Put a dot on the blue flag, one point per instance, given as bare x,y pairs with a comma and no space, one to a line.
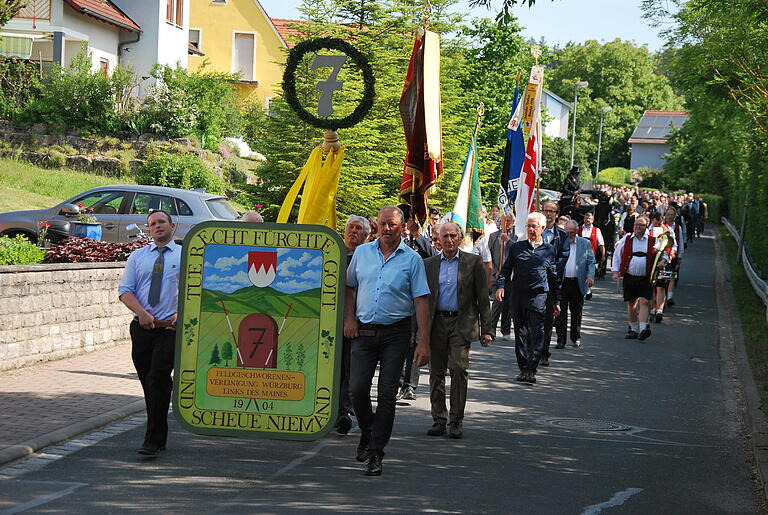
514,157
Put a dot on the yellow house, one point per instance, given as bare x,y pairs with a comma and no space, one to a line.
237,36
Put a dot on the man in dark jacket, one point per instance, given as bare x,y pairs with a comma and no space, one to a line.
535,278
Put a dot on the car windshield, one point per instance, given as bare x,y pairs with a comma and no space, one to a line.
221,209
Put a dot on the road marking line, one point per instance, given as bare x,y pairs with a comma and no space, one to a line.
39,501
618,499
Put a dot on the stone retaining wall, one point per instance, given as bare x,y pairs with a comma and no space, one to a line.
60,310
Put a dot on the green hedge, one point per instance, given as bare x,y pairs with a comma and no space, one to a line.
19,251
757,214
182,170
716,206
616,176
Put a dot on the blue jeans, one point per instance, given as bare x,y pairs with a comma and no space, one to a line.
387,348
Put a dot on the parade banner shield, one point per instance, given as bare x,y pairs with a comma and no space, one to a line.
259,330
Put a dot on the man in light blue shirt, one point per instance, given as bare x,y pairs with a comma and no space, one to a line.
385,283
149,288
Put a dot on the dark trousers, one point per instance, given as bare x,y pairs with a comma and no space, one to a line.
528,313
152,353
548,325
449,351
503,310
345,400
411,374
386,348
571,299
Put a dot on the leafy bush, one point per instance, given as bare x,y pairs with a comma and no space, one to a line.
207,103
19,83
56,159
652,178
78,97
86,250
182,170
616,176
170,112
19,251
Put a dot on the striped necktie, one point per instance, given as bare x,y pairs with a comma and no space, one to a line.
157,277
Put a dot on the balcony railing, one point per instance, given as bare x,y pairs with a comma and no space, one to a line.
35,10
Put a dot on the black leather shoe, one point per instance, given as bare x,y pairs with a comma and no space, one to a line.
521,377
659,317
343,424
530,378
645,333
544,362
151,449
560,345
437,429
670,302
631,335
456,431
362,447
374,466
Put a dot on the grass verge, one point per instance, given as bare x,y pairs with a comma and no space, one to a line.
25,186
752,316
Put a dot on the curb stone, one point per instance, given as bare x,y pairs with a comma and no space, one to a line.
29,447
732,339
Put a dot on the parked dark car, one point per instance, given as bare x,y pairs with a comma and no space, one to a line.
117,207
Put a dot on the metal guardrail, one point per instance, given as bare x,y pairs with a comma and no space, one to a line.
758,284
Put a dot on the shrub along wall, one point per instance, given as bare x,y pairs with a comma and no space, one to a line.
59,310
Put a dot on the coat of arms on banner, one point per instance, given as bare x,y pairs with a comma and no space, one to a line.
259,322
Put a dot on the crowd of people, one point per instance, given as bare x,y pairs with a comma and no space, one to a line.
499,287
415,297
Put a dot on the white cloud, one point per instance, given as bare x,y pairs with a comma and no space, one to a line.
226,284
293,286
226,263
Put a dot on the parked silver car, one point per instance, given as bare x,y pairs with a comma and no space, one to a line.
119,206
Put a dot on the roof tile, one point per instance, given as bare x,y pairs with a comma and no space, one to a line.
106,11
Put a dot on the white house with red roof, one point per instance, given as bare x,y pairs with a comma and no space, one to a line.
132,33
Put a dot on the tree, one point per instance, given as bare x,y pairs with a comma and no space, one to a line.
8,9
227,353
215,358
375,147
717,58
620,75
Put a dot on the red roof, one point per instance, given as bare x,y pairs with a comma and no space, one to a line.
289,34
105,11
654,112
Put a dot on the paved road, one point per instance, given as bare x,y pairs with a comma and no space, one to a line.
615,427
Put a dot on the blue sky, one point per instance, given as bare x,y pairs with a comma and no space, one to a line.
558,21
226,268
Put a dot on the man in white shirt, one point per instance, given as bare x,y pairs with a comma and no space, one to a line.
579,276
633,260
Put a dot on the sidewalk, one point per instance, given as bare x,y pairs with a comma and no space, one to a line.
57,400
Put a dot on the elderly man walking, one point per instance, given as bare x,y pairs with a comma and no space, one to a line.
533,263
460,307
385,283
579,277
355,233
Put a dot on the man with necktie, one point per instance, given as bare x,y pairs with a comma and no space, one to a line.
149,288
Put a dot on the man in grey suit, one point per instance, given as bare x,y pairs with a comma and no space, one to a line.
459,304
579,276
498,245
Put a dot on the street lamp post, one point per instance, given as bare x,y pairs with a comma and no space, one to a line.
603,110
581,84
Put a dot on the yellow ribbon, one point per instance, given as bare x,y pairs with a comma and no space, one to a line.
321,182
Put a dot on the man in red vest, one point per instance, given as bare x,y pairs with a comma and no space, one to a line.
633,260
595,236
